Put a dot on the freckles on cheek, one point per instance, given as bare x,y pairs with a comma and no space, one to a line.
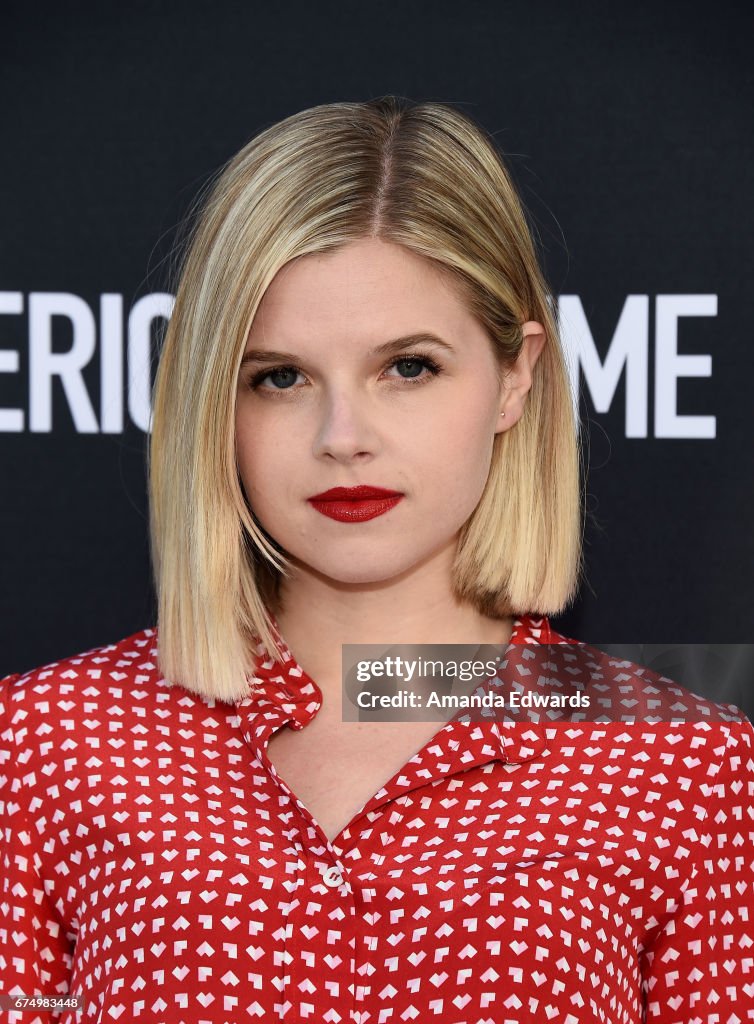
455,432
462,457
470,411
257,447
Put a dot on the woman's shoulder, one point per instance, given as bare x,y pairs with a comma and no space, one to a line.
106,680
627,691
666,729
134,653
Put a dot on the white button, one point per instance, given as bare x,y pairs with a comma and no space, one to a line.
332,877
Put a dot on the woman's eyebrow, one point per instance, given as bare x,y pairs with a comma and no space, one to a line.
256,355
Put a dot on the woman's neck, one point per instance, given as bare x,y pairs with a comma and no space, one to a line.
317,617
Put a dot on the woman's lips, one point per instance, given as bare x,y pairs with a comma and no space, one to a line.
355,504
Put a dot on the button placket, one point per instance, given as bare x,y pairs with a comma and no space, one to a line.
332,876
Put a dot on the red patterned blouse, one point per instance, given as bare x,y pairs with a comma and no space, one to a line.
156,868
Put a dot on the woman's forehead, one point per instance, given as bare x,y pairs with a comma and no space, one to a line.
369,286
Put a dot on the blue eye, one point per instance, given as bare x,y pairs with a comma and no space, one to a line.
415,364
283,377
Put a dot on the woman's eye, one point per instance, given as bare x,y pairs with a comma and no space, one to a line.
411,366
282,378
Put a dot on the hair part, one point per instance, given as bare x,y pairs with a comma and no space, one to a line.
423,176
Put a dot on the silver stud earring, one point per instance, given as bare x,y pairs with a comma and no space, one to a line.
502,414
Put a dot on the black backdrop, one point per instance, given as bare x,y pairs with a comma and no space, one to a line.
628,131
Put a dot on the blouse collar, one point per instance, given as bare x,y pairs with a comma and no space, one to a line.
282,688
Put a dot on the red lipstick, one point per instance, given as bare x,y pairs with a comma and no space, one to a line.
355,504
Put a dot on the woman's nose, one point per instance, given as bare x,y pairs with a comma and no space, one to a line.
345,426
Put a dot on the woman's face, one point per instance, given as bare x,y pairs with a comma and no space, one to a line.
365,368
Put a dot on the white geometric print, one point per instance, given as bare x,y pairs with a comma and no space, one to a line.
154,862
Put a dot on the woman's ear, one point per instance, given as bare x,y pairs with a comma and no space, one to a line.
518,380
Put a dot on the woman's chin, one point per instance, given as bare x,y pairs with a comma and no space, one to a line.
359,573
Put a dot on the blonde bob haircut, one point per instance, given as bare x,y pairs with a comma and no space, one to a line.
423,176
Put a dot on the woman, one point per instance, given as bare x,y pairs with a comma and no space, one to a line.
363,434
